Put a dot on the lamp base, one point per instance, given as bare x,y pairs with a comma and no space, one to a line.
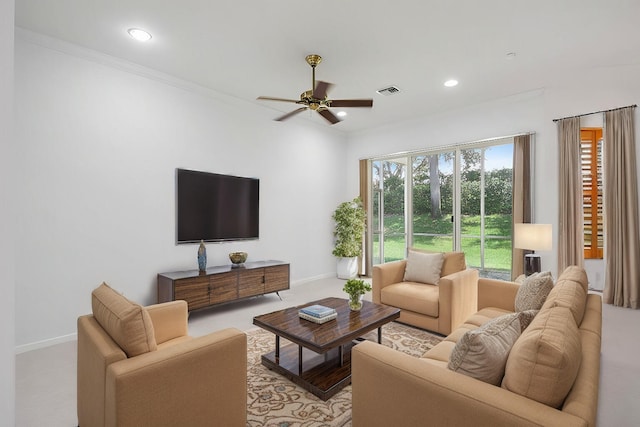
531,264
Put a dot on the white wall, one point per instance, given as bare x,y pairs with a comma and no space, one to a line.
98,148
7,283
592,90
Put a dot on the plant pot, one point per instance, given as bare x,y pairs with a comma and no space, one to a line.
355,303
347,268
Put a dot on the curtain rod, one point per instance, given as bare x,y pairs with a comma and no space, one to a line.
595,112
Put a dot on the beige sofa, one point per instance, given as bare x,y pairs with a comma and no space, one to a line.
438,307
392,388
138,367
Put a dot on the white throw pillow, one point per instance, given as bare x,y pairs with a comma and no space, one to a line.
424,268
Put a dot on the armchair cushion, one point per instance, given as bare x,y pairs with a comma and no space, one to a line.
127,323
417,297
423,267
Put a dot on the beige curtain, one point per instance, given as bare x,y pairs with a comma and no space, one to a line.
521,196
570,221
622,248
365,262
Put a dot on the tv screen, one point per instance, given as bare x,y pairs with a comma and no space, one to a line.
214,207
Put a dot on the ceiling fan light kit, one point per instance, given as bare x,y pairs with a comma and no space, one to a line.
317,99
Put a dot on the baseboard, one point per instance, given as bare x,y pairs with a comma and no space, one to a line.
314,278
45,343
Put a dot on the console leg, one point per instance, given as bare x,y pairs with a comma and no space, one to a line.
278,293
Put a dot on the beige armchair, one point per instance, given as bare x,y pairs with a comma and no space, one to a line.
440,307
138,367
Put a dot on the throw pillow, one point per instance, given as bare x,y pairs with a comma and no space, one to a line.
533,291
482,353
424,268
526,317
127,323
453,261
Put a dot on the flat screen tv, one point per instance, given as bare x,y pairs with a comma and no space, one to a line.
216,208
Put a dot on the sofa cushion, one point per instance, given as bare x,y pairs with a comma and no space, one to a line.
453,261
482,353
127,323
576,274
571,292
533,291
417,297
544,361
423,267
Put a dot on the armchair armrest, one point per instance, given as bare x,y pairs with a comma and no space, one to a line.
497,293
170,320
200,382
386,274
388,386
458,299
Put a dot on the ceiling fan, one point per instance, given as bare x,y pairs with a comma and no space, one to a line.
316,98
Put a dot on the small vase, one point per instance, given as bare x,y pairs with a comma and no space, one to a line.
355,303
202,257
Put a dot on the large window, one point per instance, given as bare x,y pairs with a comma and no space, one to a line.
591,164
455,199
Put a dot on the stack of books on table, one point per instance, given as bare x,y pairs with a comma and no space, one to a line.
317,313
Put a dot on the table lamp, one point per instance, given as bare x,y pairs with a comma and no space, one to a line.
533,237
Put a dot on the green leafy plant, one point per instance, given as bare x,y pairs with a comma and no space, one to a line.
349,220
355,288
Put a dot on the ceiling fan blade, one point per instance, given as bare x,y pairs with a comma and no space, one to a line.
269,98
328,115
290,114
321,89
352,103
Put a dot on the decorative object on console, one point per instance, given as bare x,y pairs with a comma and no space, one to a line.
202,257
356,288
238,258
534,237
349,220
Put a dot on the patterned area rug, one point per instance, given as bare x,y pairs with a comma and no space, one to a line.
275,401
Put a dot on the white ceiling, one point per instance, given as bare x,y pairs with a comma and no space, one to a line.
247,48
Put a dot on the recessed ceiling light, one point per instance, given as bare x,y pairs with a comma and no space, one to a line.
451,83
138,34
341,113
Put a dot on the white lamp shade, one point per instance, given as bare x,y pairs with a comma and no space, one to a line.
534,237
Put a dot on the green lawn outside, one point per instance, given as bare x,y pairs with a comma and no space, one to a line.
497,251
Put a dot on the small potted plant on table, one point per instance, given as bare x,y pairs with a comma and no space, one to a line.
356,288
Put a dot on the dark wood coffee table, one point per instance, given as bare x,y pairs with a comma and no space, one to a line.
320,358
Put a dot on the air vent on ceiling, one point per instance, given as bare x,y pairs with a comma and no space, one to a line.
388,90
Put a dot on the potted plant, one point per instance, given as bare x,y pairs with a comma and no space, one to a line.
356,288
349,220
